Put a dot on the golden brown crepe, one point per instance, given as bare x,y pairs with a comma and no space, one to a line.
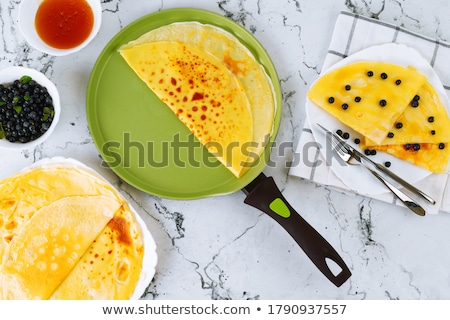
237,58
433,157
396,109
26,192
425,120
203,94
110,264
50,244
367,96
107,259
421,134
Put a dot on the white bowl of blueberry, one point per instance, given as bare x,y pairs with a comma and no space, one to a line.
29,108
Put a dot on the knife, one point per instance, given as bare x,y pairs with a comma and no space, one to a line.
382,169
263,194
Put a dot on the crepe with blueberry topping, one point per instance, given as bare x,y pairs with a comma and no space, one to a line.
367,96
421,134
433,157
397,110
425,120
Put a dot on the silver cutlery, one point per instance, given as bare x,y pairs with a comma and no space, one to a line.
353,157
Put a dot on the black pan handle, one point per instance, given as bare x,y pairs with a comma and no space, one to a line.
267,197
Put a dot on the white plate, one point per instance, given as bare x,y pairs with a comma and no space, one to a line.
150,257
357,178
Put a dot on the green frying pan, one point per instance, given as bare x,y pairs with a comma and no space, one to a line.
153,151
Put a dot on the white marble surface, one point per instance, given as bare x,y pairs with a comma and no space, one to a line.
220,248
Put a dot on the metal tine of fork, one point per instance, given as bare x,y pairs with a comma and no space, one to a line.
337,145
346,155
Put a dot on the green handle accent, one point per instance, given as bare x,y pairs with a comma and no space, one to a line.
267,197
279,207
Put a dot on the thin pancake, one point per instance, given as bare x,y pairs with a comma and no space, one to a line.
24,193
202,93
430,156
110,268
238,59
117,252
48,247
367,96
425,120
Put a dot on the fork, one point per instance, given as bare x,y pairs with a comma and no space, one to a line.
349,158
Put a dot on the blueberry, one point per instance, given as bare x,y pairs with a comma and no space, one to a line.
33,115
26,110
45,126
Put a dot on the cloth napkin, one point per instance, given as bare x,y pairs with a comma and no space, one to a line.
353,33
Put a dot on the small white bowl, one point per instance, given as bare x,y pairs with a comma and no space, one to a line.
27,14
7,76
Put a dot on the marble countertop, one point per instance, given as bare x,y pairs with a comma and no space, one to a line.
219,247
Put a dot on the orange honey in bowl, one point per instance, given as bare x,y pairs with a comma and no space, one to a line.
64,24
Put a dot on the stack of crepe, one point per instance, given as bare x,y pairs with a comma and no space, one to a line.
213,84
65,233
397,109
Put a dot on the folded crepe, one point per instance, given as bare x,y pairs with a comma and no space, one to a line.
48,247
367,96
24,193
65,233
395,108
111,265
421,134
424,120
228,51
203,94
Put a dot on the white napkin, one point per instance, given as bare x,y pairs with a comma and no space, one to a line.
353,33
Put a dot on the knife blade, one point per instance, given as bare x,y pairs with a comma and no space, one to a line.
380,168
349,157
